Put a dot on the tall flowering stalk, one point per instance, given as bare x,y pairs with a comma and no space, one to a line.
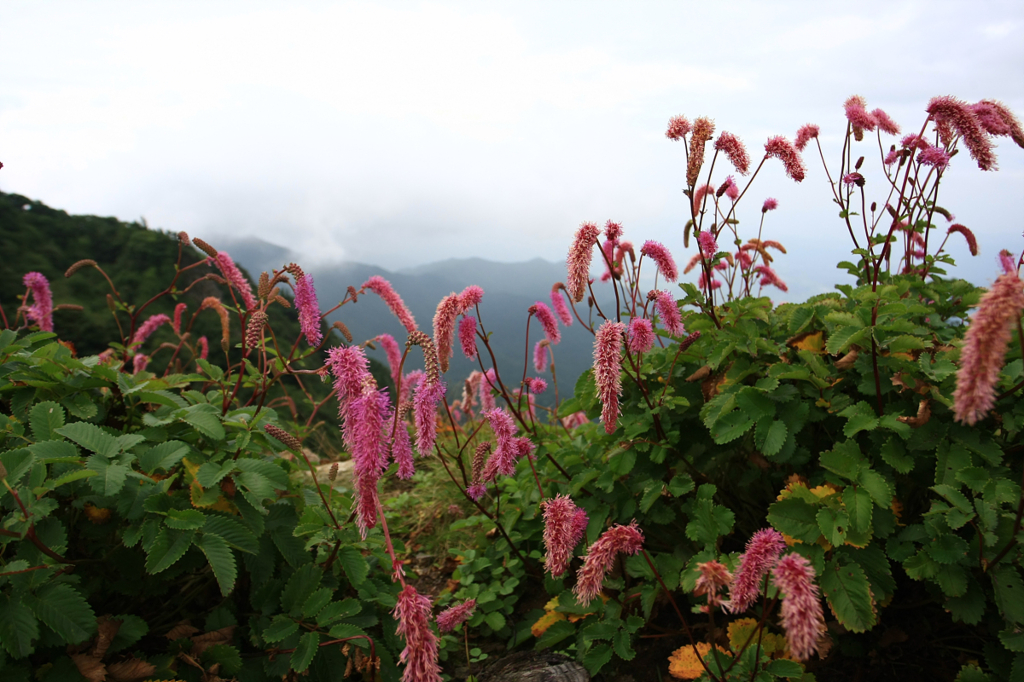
564,525
467,336
559,305
413,612
599,559
41,310
661,256
383,288
763,550
578,262
452,618
444,328
668,311
547,320
235,278
308,306
179,310
147,328
393,354
607,370
985,348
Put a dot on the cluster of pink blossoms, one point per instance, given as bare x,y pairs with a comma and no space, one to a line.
41,310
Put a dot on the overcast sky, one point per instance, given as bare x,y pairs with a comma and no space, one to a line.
403,133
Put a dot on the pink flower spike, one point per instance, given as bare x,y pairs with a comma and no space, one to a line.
713,577
139,363
476,491
985,346
420,653
235,278
708,245
608,370
734,149
147,328
540,355
805,134
393,352
351,370
763,550
467,336
802,616
488,382
951,111
452,618
41,310
661,256
769,205
612,231
401,450
204,347
934,156
503,459
678,126
309,309
409,384
671,320
858,116
558,303
382,288
364,433
698,198
564,524
1007,261
179,310
780,148
885,124
768,277
537,385
641,335
444,328
470,297
428,395
547,320
972,242
1010,125
578,262
599,559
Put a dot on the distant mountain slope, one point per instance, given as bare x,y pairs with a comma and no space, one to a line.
509,290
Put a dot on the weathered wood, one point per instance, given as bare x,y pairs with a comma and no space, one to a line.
534,666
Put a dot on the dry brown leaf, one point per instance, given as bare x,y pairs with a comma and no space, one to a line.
90,668
107,630
924,413
132,670
700,375
182,629
846,362
201,643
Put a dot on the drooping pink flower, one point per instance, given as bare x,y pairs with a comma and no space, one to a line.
147,328
488,382
235,278
382,288
420,653
578,262
575,419
424,407
708,245
452,618
536,385
661,256
204,347
540,355
626,539
668,311
858,116
476,491
995,109
179,310
41,310
914,141
734,149
139,362
703,129
364,434
985,347
641,335
1007,261
713,577
409,384
780,148
467,336
503,459
934,156
853,179
953,112
393,353
309,308
612,231
770,278
444,328
564,524
350,369
885,123
972,242
891,157
763,550
802,616
470,297
401,450
698,198
547,320
806,133
769,205
608,370
678,127
692,263
559,305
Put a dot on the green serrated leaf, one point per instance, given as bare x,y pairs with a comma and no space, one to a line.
222,561
300,587
44,419
947,548
859,508
64,611
185,519
954,497
848,593
109,478
53,451
205,419
344,630
167,548
731,426
833,525
839,340
354,565
774,438
877,486
783,667
91,437
224,655
316,602
844,459
860,417
280,628
795,518
304,652
596,658
163,456
895,455
337,610
1009,592
233,531
18,626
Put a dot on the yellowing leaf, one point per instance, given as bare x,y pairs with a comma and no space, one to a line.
811,341
684,663
546,621
823,491
739,632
